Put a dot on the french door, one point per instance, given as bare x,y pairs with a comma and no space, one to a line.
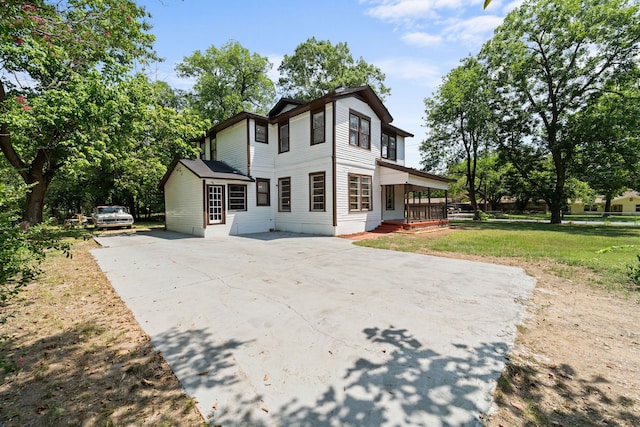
215,204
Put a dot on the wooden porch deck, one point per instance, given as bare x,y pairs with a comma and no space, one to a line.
412,225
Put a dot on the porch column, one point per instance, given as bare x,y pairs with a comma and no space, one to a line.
446,203
406,205
429,203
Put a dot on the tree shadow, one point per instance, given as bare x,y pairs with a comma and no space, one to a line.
585,229
590,401
408,384
78,377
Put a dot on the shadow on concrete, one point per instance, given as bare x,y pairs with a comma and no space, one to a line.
77,377
413,386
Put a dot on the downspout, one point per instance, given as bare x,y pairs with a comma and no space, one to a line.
333,164
249,148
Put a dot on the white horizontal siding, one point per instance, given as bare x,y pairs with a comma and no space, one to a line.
184,203
231,146
356,160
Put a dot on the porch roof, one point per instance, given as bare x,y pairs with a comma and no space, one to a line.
392,174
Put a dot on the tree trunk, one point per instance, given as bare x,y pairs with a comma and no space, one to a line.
607,205
35,202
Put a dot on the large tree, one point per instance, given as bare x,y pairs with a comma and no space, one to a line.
317,67
459,121
550,59
147,133
58,62
608,134
229,79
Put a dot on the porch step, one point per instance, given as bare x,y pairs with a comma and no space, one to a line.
392,227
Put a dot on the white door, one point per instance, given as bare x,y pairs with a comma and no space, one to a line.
215,203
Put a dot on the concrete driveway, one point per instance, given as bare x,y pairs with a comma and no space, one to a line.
280,329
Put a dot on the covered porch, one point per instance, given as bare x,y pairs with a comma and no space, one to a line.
418,207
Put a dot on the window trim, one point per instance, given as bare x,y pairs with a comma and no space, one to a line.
257,123
280,195
324,126
258,192
360,117
280,126
244,200
324,192
389,152
360,192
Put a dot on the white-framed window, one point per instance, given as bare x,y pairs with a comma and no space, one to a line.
215,204
389,197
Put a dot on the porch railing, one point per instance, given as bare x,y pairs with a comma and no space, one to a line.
426,212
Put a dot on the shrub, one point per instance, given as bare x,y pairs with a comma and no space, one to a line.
633,272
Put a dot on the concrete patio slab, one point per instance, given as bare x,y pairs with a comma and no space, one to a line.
279,329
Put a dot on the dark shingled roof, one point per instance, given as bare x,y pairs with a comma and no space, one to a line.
212,169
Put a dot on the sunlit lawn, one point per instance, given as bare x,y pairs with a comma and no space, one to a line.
606,250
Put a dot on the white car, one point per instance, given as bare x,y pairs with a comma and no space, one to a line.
112,216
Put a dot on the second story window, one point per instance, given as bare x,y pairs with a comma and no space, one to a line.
317,127
388,147
359,130
283,137
262,134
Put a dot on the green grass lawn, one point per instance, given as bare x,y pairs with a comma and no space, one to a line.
591,218
606,250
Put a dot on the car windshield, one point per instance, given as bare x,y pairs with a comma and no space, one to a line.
111,209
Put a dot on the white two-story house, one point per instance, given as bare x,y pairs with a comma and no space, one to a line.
331,166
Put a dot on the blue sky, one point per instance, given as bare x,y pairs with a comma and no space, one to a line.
414,42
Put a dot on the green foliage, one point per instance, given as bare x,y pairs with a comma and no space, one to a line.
633,272
229,80
71,54
549,60
22,248
318,67
459,121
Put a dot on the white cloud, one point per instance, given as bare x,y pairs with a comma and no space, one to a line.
414,71
473,30
512,5
422,39
409,11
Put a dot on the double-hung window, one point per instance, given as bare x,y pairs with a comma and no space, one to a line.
263,193
317,126
284,194
283,137
359,130
262,133
388,147
360,193
317,192
237,197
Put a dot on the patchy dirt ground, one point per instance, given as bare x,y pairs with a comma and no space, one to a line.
83,359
